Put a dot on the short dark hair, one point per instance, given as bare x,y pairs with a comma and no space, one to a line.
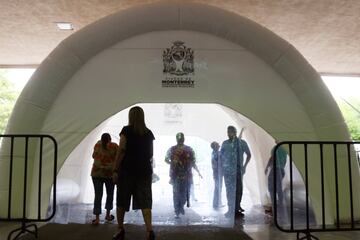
105,139
213,144
231,128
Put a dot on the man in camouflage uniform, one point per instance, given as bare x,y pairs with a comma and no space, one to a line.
181,159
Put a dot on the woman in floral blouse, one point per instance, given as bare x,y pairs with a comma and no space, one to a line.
104,158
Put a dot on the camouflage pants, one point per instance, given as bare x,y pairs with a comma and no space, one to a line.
180,192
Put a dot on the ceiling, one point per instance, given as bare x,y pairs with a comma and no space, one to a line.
326,32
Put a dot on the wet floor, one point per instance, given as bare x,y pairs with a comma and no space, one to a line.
193,225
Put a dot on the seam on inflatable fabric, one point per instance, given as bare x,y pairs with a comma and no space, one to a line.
282,54
64,132
74,53
33,104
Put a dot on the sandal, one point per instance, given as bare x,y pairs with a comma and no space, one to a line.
119,235
95,222
110,218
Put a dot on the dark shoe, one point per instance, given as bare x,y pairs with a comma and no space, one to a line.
110,218
269,212
151,235
239,214
241,209
120,235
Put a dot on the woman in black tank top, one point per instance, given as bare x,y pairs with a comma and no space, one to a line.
133,171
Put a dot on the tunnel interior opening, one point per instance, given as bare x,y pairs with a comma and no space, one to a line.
201,124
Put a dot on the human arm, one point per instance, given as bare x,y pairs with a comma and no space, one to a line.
193,160
197,170
168,156
248,155
96,151
119,157
270,162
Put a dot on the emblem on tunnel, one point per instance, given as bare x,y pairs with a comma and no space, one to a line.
178,59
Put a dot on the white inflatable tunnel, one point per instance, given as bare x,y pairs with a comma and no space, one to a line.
117,62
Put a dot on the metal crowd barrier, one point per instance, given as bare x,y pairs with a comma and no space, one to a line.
328,155
22,159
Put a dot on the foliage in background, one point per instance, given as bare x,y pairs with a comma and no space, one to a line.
8,96
350,109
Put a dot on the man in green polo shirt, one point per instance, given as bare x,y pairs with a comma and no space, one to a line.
281,157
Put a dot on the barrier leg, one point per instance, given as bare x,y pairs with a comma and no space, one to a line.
22,230
307,236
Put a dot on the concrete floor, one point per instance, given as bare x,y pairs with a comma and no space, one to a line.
201,223
72,222
255,225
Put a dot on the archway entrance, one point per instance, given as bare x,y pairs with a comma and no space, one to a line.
201,124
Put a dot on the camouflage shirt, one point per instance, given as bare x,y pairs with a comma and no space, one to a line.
181,159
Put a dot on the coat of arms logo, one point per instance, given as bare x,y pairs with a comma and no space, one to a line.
178,60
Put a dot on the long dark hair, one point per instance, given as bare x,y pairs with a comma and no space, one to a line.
137,120
105,139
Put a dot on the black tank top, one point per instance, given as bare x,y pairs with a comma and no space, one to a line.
138,153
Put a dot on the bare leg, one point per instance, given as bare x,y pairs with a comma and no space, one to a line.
108,217
120,213
147,218
148,222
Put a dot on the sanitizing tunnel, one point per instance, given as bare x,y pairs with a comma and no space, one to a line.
259,80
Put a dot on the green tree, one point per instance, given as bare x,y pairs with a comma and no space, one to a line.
350,109
8,96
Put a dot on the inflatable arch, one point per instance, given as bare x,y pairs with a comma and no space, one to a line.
118,61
